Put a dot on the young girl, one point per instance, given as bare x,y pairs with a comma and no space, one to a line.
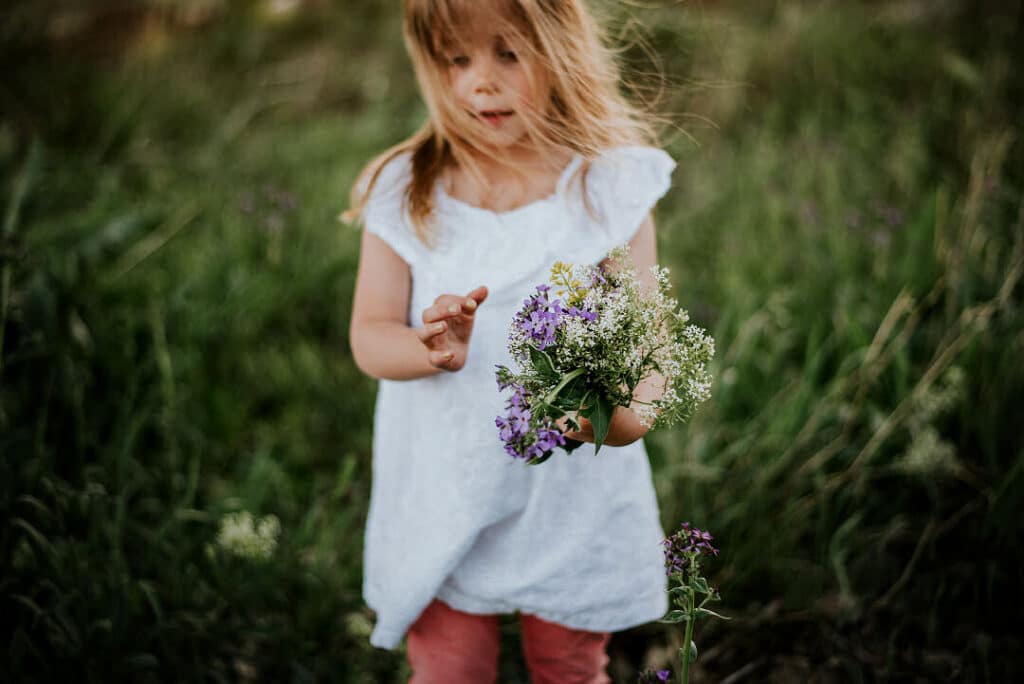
529,156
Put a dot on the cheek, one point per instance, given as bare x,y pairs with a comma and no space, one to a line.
527,94
457,87
524,93
531,101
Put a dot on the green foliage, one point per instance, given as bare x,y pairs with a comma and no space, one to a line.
599,413
175,294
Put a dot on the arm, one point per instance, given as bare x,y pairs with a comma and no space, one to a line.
625,427
383,344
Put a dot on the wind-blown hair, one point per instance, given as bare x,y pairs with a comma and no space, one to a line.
567,59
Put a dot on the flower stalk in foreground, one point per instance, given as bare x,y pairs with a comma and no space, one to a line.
683,551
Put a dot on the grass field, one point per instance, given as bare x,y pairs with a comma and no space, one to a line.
847,219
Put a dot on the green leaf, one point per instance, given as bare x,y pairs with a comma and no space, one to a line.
600,415
542,362
571,397
705,611
693,653
701,585
585,401
674,617
544,408
566,379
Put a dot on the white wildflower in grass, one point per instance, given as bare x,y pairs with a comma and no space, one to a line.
241,536
584,351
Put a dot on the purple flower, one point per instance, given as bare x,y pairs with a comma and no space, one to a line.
582,313
548,439
684,547
650,676
539,318
526,434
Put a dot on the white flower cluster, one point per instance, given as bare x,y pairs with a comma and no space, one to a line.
649,334
241,536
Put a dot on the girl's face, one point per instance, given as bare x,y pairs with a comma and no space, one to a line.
487,78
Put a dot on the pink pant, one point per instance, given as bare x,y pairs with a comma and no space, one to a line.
447,646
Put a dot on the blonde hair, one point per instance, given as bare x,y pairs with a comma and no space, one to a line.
566,51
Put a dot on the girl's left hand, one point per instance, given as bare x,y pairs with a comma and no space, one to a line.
625,428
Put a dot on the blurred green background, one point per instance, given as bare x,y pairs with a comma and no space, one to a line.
846,219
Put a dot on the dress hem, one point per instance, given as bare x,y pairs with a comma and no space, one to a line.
608,618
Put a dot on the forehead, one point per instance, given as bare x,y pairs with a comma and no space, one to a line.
481,39
459,24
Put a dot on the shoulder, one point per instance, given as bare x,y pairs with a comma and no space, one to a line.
619,178
385,212
632,165
390,174
622,185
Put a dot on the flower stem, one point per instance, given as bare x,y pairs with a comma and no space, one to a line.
550,397
684,676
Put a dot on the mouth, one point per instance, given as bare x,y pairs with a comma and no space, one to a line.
495,115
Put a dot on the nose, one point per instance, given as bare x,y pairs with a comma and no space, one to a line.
484,80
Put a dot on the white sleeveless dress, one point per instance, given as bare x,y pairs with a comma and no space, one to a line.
576,540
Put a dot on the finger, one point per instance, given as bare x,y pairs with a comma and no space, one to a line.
454,306
468,306
579,435
444,307
430,331
479,294
473,300
440,359
567,430
564,427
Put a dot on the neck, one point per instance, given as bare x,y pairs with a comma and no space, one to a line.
502,186
519,162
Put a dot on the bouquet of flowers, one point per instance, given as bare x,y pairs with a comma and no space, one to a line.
585,352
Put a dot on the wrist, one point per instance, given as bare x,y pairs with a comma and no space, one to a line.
626,426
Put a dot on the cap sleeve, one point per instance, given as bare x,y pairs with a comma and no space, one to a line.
624,183
385,214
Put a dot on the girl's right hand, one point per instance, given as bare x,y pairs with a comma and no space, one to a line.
447,327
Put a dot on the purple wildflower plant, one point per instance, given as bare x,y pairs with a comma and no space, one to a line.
683,551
